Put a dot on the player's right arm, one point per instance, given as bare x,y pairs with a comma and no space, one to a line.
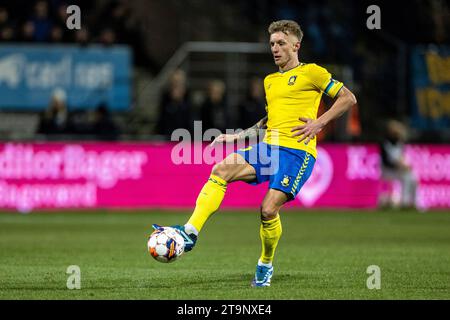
251,132
311,127
344,100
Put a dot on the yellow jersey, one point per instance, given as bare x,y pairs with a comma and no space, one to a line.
293,94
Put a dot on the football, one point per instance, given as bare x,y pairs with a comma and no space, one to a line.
165,244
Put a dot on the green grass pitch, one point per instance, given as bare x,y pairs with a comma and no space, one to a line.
321,255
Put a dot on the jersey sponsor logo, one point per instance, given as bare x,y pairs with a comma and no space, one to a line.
291,80
286,181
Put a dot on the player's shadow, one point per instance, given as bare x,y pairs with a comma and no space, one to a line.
229,279
40,288
236,280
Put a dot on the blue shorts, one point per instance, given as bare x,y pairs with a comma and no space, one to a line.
286,169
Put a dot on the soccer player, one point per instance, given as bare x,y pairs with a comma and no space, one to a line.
287,154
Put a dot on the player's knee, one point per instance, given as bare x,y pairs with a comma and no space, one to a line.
269,211
222,170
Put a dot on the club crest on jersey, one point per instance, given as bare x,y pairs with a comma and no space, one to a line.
286,181
292,80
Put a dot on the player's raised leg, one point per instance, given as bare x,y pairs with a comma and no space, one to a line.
270,233
232,168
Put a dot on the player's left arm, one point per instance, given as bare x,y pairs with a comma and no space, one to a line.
307,131
251,132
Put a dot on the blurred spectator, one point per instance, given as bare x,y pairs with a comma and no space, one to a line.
41,22
82,37
315,32
117,13
214,113
56,35
7,34
103,126
61,14
4,17
56,119
28,32
253,108
394,166
353,127
175,108
59,24
108,37
6,28
440,15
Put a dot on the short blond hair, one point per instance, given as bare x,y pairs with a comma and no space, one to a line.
287,27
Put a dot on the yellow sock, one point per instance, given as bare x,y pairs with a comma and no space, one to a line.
208,201
270,232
